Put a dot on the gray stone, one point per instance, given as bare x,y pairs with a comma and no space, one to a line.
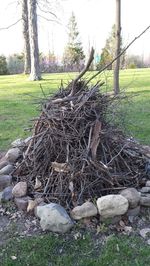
133,212
13,154
112,205
18,143
87,209
132,195
144,232
35,209
1,196
22,203
145,201
145,189
3,163
148,183
7,193
20,190
7,170
54,217
5,181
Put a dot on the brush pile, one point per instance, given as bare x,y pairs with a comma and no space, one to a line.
75,153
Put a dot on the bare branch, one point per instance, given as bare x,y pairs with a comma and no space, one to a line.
15,23
50,20
123,51
83,71
46,11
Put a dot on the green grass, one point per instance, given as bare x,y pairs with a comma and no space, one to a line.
18,95
56,251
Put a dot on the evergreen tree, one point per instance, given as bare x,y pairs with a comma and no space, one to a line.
108,52
73,58
3,65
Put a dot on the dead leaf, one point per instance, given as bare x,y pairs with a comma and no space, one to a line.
38,184
60,167
33,203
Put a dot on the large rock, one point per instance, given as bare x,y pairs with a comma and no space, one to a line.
3,163
20,190
133,212
5,181
145,189
87,209
13,154
132,195
53,217
7,170
112,205
145,201
7,193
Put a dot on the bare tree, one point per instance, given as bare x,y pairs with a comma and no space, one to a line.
118,42
25,30
33,34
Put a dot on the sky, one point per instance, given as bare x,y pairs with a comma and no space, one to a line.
94,19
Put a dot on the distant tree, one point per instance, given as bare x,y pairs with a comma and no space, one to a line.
48,63
108,52
134,61
3,65
25,30
15,63
73,57
33,35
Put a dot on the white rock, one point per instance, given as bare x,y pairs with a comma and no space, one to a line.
87,209
6,170
20,190
145,189
132,195
144,232
112,205
18,143
53,217
13,154
148,183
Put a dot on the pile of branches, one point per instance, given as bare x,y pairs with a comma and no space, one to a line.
75,153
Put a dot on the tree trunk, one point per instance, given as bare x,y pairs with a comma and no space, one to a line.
118,41
25,30
33,33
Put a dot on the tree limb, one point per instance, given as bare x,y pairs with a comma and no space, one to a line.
6,28
83,71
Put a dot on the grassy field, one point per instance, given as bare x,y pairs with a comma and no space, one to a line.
17,107
18,97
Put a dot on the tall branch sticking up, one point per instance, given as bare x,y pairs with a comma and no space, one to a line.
123,51
82,72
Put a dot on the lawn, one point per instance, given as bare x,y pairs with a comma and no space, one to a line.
52,250
18,96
